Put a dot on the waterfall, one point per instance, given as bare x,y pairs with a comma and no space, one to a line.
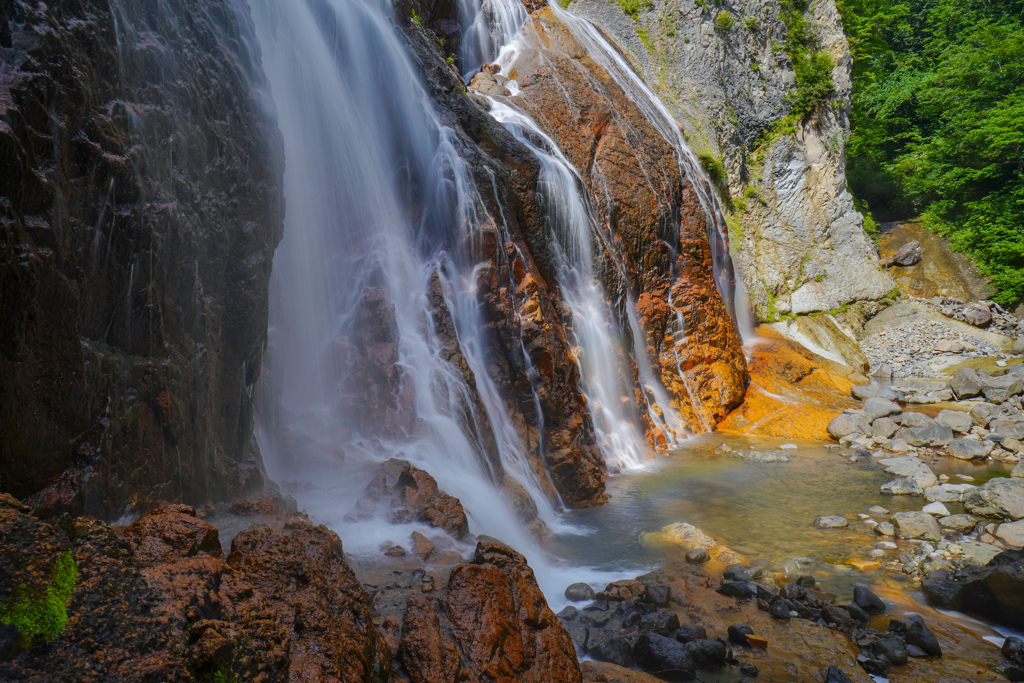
600,358
377,199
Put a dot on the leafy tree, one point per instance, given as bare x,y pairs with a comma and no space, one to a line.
938,122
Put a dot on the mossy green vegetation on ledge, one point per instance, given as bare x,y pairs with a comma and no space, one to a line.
632,8
812,67
42,616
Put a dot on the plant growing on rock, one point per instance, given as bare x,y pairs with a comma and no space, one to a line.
723,21
42,616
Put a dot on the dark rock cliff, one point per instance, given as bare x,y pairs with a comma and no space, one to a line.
140,204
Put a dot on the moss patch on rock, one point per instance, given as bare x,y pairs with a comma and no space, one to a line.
42,616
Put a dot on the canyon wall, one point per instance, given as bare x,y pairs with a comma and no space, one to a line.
141,203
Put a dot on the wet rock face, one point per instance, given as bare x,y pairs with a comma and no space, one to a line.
655,225
141,205
492,623
284,606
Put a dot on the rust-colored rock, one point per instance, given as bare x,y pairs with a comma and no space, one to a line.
171,532
413,495
812,390
654,220
492,623
284,607
302,573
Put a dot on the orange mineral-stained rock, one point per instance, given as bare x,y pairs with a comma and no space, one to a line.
492,623
793,393
652,242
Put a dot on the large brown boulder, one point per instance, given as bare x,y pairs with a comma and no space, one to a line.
492,623
411,494
171,532
301,573
284,607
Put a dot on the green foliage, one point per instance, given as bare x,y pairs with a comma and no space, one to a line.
723,21
415,17
812,67
938,123
644,38
42,616
713,166
632,8
564,3
751,23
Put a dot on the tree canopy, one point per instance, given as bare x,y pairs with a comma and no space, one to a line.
938,123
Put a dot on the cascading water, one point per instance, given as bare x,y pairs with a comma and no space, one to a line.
575,229
376,193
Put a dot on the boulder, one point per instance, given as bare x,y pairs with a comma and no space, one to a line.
940,494
912,468
903,486
1008,427
884,427
920,635
862,392
846,424
916,525
957,420
171,532
934,434
962,523
937,509
969,449
491,623
1011,534
875,408
1001,389
1000,497
977,314
913,419
831,522
667,658
1018,348
692,538
966,383
978,553
1018,470
983,413
908,255
995,591
868,601
579,592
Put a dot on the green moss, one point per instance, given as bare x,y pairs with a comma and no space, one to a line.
755,66
564,3
632,8
644,38
42,616
713,166
723,21
415,17
751,23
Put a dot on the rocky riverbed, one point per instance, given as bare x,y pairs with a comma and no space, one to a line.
922,338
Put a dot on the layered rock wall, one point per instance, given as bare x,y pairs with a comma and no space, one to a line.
141,203
722,70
